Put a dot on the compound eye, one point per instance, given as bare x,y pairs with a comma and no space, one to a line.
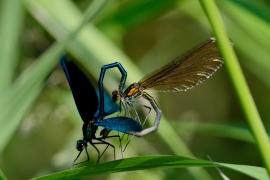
80,145
115,96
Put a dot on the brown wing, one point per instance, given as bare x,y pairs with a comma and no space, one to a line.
186,71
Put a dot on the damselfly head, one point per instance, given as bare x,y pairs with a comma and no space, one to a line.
81,144
91,122
115,96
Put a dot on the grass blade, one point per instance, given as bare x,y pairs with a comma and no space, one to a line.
18,98
11,25
239,82
151,162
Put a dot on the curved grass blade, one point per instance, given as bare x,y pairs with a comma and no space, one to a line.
123,18
18,98
152,162
223,130
237,77
2,175
12,16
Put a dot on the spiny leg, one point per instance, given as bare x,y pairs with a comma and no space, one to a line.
75,160
108,144
119,138
78,157
120,145
122,103
97,151
120,141
128,143
125,107
157,118
122,137
129,102
99,156
137,103
120,106
127,113
147,107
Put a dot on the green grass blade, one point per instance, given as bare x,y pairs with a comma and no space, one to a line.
248,26
251,17
2,176
239,82
11,25
18,98
91,47
119,20
148,163
224,130
252,171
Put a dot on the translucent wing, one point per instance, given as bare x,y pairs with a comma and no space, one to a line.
121,124
84,93
186,71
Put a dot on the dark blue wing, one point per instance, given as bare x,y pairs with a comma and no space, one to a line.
121,124
84,93
110,107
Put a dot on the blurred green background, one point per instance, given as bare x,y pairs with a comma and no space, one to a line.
39,123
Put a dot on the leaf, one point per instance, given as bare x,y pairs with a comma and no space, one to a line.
11,25
18,98
151,162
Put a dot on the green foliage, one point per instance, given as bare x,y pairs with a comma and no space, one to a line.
239,82
151,162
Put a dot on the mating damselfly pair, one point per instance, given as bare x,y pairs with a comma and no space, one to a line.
183,73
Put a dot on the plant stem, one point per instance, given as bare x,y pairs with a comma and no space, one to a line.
239,82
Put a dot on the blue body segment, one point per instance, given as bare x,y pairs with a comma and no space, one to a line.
121,124
109,108
100,83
